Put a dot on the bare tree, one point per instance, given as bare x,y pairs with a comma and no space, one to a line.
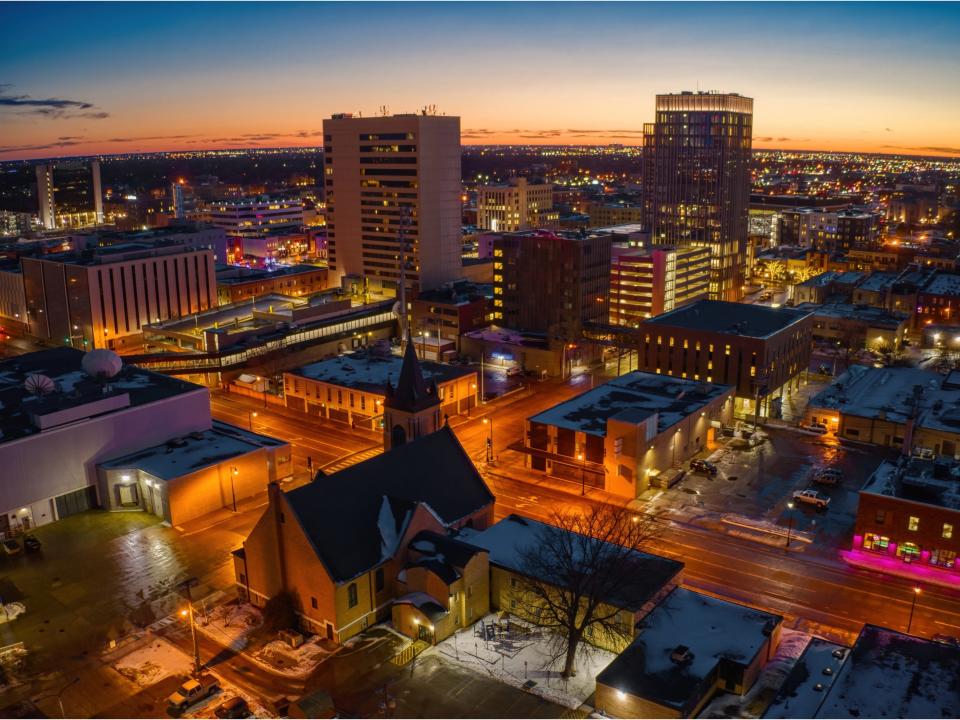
580,572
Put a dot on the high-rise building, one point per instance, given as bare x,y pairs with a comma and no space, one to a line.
381,173
551,282
516,205
829,231
69,194
697,180
648,281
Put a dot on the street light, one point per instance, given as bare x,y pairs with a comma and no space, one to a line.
233,490
489,421
185,586
583,482
251,415
789,523
913,606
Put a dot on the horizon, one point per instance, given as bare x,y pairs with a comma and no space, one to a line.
169,77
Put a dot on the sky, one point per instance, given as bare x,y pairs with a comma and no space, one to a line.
86,78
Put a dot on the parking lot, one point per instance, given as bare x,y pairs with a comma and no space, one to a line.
758,482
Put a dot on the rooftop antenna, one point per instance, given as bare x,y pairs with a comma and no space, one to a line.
384,111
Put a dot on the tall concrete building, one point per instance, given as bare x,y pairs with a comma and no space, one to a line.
516,205
697,180
69,194
384,172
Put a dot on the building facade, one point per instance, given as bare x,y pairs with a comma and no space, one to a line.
832,232
697,180
103,297
69,194
257,217
551,282
387,176
516,205
652,280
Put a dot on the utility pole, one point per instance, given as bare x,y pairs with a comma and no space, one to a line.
185,588
402,239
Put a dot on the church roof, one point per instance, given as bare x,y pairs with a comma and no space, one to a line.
412,393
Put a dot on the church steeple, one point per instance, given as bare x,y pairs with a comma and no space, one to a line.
412,407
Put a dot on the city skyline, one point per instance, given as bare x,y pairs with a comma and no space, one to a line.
578,74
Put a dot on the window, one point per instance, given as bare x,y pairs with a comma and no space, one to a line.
313,603
282,518
352,595
947,531
881,516
913,523
378,580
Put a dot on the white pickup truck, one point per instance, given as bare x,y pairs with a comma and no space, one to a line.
193,690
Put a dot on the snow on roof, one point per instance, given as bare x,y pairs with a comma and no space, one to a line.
932,482
369,372
943,284
187,454
508,540
710,630
888,393
805,687
878,281
716,316
821,280
892,675
633,398
876,317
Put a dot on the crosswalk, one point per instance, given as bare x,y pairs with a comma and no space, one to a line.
352,459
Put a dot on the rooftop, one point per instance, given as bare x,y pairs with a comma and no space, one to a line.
729,318
71,389
633,397
367,371
375,501
943,284
510,539
712,631
932,482
458,293
892,393
121,252
806,685
877,282
892,675
877,317
821,280
238,275
196,451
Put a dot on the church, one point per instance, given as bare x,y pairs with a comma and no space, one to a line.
370,542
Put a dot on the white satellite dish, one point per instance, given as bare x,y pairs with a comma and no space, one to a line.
101,363
39,385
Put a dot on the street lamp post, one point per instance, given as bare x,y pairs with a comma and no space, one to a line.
250,416
489,421
482,400
789,523
913,606
233,489
186,585
583,480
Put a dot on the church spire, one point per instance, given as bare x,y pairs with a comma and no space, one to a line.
412,393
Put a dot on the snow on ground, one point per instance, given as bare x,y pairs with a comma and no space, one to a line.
771,679
10,611
521,655
279,657
153,662
231,624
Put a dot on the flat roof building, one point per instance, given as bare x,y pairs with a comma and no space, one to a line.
688,648
648,281
622,435
759,350
516,205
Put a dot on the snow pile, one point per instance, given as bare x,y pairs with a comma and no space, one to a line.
279,657
11,611
152,663
231,624
523,655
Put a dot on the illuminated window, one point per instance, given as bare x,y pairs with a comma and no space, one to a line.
913,523
727,351
753,372
947,531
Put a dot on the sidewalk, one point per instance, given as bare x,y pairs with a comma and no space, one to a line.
915,572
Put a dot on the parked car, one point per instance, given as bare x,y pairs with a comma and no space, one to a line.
818,428
193,690
235,707
514,370
828,476
812,497
704,467
31,544
11,547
